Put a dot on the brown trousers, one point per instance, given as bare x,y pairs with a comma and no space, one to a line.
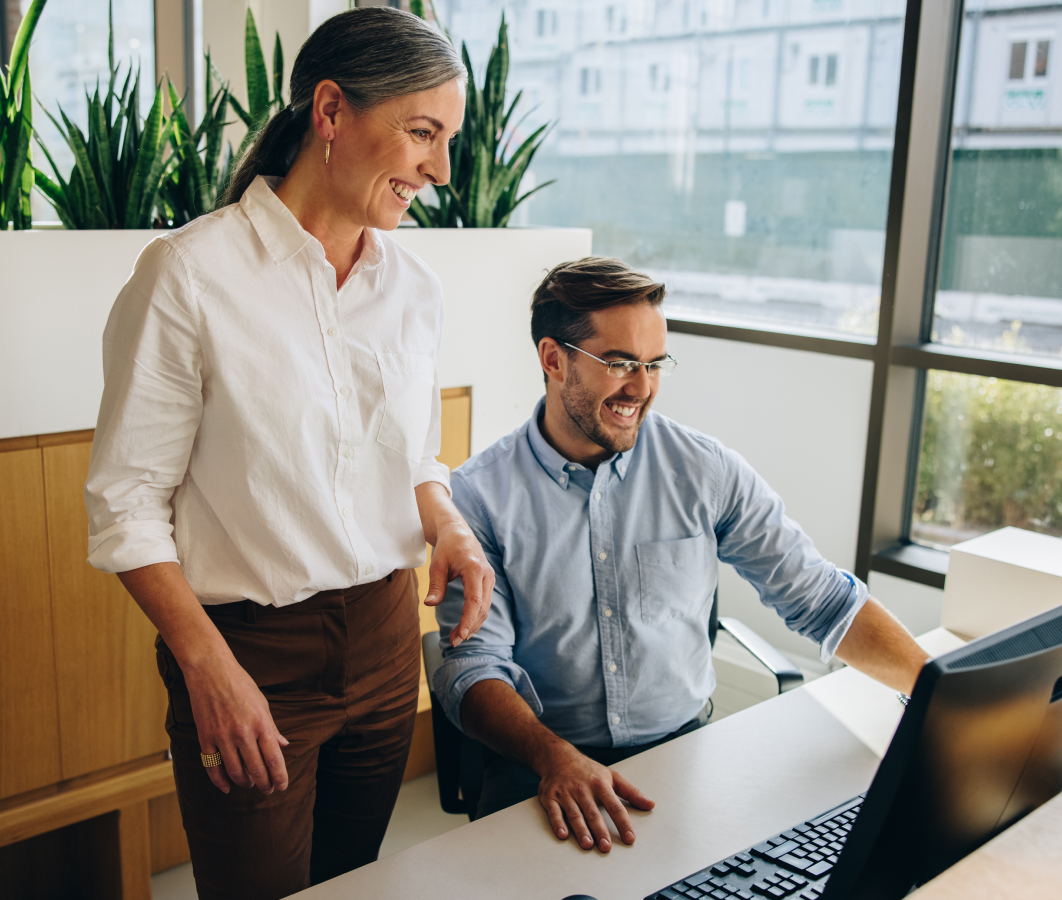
341,672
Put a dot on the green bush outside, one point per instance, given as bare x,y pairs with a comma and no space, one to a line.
991,456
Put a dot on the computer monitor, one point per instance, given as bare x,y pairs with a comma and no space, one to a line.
978,747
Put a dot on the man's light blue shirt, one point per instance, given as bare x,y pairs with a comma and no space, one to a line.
605,579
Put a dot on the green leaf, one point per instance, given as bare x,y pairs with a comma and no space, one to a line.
56,196
20,48
257,80
278,74
139,188
83,166
245,116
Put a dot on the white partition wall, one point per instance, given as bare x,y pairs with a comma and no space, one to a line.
800,419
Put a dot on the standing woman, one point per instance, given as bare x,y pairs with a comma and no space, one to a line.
263,475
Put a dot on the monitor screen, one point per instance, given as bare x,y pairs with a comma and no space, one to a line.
978,747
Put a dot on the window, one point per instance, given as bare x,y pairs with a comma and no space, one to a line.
1017,60
1043,50
991,448
991,456
589,81
694,117
69,54
545,22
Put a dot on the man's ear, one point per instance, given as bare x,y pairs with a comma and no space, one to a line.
549,357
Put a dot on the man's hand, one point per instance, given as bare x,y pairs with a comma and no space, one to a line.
572,789
457,555
232,717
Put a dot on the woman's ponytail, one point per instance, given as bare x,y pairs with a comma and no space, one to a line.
271,152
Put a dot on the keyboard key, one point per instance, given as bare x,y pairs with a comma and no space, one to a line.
773,879
802,829
820,869
808,895
794,862
720,869
668,894
697,879
744,895
763,849
800,853
745,870
789,835
788,886
798,880
776,840
761,888
832,858
720,894
775,892
744,857
695,894
782,849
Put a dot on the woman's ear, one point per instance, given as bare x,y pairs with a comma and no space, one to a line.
328,101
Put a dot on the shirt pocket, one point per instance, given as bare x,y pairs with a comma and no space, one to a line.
672,577
408,384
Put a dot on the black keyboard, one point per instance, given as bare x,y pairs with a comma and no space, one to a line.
795,863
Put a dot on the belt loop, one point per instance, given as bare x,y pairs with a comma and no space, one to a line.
250,612
389,578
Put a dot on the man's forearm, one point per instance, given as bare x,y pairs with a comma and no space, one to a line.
877,644
496,715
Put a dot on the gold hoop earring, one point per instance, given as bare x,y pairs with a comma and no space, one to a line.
328,149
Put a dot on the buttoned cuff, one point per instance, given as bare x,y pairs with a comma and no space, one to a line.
432,470
457,674
131,545
857,596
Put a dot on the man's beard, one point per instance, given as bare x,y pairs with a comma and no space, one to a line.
584,411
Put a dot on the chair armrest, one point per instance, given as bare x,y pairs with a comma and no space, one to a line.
788,675
432,656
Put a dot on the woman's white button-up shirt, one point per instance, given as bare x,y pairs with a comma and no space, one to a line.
259,426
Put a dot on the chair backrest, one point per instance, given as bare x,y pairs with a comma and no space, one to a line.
458,758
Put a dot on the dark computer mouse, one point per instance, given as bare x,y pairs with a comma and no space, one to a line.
579,897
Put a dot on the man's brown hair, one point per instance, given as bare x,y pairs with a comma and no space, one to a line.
562,303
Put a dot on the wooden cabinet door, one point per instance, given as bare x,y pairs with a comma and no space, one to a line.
29,720
112,705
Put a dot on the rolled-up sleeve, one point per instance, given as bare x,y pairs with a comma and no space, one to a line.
149,415
488,654
429,468
771,551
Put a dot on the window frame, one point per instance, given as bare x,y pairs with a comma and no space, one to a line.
903,352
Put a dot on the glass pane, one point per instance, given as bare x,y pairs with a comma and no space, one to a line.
69,54
1000,278
741,151
991,456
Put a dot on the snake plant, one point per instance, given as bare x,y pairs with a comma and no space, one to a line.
119,166
201,169
16,127
484,175
260,105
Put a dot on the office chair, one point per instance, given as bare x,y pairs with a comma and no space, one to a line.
459,759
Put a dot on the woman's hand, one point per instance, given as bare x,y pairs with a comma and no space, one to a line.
457,555
231,714
232,717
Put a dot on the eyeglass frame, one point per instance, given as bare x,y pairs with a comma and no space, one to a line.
659,372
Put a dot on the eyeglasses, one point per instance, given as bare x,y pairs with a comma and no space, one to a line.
625,368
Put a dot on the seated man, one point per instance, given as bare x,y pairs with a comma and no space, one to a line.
604,523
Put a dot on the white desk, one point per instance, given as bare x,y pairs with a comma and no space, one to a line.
718,791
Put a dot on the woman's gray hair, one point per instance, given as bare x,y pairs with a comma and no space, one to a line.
374,54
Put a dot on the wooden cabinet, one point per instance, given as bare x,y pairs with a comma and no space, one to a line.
82,708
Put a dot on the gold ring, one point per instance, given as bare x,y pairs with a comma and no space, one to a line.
210,760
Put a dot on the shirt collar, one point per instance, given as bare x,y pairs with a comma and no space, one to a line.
281,233
555,465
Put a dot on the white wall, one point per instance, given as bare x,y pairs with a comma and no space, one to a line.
916,605
800,419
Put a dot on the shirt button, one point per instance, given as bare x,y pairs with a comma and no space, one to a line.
622,469
612,668
346,513
608,611
345,391
597,496
571,468
563,479
368,569
333,331
616,719
602,555
348,453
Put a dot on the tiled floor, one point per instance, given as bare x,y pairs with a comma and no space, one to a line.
417,817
